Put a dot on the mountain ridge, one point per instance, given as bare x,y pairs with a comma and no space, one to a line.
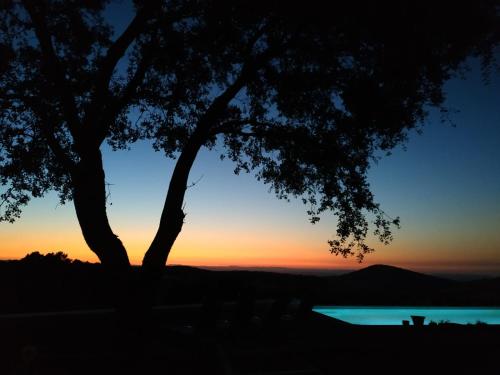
383,272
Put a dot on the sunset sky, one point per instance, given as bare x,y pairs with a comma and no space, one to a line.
445,187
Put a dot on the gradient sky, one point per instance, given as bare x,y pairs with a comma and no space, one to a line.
445,187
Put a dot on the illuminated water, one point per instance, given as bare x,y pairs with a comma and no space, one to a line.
369,315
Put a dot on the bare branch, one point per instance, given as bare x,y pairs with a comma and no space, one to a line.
194,184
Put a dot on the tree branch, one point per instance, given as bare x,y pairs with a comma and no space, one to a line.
120,46
127,93
61,155
172,217
98,116
47,131
234,127
55,69
250,67
115,53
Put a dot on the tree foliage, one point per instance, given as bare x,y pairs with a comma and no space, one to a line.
303,95
36,257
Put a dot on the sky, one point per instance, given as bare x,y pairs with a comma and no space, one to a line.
445,187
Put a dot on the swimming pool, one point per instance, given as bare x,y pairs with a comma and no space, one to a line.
384,315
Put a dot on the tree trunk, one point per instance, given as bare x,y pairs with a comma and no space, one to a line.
130,292
172,217
89,197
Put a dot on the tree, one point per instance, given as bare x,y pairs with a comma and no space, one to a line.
58,258
303,96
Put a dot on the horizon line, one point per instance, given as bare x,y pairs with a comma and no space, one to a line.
315,270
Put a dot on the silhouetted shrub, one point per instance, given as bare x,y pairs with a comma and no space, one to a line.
36,257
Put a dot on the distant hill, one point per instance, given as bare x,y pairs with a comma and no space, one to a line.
386,285
49,283
54,283
382,284
381,275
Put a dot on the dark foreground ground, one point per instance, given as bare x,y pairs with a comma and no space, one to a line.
196,329
89,343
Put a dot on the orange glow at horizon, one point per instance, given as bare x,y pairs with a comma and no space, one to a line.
197,247
444,185
275,234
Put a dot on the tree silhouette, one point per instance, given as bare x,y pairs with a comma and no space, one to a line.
302,95
35,257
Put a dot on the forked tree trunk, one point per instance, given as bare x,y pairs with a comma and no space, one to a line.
134,290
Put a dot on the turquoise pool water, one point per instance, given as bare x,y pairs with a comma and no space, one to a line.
369,315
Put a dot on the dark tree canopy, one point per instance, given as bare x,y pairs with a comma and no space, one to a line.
305,95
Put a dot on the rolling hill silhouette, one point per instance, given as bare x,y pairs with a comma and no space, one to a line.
381,275
52,284
382,284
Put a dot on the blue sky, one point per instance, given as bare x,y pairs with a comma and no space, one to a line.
445,187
